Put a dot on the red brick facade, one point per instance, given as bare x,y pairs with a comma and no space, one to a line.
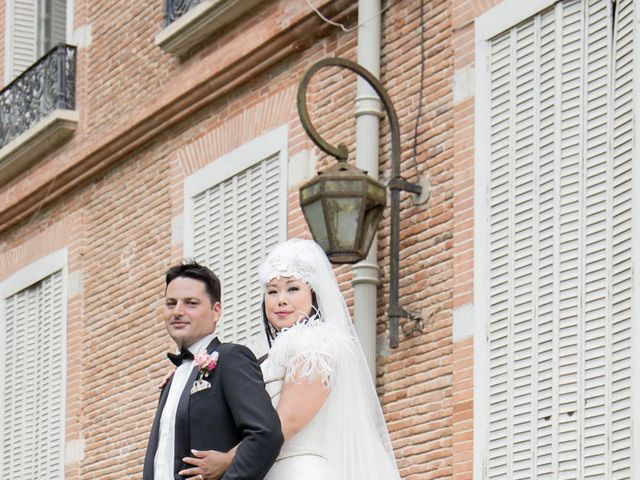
110,195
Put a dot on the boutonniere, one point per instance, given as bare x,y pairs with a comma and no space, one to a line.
206,364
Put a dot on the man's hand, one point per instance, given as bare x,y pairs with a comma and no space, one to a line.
208,465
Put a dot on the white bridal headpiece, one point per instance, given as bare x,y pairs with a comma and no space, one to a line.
305,260
294,258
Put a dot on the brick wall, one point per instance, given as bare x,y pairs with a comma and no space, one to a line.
117,221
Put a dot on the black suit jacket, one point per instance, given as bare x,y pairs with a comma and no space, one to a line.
235,409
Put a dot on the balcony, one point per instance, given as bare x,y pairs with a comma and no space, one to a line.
187,23
37,111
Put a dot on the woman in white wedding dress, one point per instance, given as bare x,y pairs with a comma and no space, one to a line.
317,376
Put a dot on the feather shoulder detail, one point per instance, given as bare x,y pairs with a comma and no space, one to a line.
308,349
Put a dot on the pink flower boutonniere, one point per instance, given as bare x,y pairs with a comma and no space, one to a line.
206,363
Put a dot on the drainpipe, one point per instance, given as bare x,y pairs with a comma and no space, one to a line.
368,111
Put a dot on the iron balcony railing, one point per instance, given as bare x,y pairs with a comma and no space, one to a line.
174,9
48,85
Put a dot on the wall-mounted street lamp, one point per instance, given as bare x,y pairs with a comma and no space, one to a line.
344,205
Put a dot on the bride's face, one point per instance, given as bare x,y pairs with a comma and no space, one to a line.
286,300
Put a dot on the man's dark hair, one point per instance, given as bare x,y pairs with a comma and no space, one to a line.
192,269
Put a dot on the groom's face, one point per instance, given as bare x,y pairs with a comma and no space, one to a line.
189,314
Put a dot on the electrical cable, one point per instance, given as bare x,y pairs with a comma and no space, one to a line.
421,92
340,25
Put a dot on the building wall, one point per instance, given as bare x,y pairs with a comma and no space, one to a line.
114,196
463,14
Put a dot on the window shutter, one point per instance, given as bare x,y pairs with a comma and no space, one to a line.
58,22
53,24
32,385
25,35
236,222
560,262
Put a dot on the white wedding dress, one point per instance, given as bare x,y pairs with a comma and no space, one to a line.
305,455
315,453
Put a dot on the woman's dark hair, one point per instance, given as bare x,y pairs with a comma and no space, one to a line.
270,331
192,269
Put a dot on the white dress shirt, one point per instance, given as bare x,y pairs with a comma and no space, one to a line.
163,463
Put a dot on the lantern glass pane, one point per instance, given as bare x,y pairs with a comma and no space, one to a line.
314,215
343,216
371,220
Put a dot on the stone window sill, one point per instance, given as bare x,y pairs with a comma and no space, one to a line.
29,147
200,23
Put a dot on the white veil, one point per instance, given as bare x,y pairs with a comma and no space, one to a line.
361,448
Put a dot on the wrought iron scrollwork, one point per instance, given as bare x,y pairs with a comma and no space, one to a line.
174,9
48,85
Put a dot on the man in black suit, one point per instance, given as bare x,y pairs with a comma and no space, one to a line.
215,407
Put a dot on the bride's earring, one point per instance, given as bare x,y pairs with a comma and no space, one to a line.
315,314
274,332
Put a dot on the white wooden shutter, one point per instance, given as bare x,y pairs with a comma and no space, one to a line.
52,24
58,22
33,382
24,35
560,264
235,223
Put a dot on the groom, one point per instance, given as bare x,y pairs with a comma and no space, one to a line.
215,401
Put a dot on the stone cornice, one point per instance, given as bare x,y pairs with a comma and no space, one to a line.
127,138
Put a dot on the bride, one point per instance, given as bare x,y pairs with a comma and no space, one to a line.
317,377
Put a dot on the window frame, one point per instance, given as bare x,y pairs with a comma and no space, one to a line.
8,36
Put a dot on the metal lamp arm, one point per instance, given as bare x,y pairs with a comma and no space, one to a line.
340,152
396,184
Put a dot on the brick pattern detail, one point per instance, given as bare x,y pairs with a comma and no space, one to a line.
128,252
51,239
236,131
76,337
462,454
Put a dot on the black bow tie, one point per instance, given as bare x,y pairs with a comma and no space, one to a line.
177,358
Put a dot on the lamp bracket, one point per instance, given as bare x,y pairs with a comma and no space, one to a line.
411,328
398,312
415,320
399,183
